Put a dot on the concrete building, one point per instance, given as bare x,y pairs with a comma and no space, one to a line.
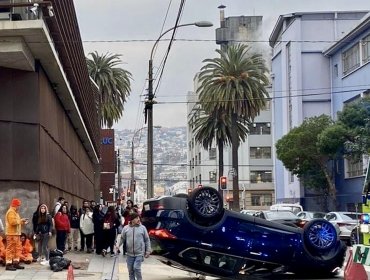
349,64
303,82
49,129
256,179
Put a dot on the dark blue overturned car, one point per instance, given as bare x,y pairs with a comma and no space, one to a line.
195,233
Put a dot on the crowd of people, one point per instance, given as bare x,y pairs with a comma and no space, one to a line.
92,228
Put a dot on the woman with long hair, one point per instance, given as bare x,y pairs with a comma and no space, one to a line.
98,219
62,227
42,228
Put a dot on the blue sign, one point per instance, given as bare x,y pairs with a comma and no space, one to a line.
107,141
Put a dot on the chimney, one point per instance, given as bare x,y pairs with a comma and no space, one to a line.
222,15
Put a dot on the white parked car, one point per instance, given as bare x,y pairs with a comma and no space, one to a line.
345,222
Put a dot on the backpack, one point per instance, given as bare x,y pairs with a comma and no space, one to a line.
55,208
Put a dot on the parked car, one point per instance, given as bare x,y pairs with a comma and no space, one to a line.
345,221
292,207
309,215
282,217
249,212
197,234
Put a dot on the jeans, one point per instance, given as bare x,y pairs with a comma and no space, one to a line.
134,267
42,245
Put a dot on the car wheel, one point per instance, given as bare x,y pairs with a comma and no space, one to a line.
320,235
205,203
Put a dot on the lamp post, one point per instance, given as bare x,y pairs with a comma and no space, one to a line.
133,182
150,102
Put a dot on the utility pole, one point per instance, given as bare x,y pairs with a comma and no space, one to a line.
119,179
132,188
149,107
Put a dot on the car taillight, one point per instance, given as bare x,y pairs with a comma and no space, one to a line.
301,223
161,233
345,225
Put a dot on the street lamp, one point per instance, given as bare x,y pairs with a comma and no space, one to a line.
149,106
133,182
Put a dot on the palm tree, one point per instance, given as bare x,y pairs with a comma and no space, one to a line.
114,85
215,127
235,83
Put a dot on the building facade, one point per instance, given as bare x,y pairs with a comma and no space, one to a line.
256,179
49,129
302,82
349,61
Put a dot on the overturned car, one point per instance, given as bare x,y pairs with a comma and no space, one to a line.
195,233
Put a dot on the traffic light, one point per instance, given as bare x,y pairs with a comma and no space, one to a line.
223,182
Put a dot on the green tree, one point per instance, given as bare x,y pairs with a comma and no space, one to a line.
234,83
350,135
301,153
216,127
114,85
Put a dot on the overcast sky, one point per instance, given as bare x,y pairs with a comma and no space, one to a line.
130,28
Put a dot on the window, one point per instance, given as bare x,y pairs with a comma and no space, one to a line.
351,59
212,177
261,176
199,159
212,153
200,178
366,49
261,199
196,160
260,128
355,167
260,152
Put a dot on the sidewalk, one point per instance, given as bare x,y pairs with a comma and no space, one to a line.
86,266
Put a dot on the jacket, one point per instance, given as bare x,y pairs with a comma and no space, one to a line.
13,222
136,240
44,227
86,223
62,222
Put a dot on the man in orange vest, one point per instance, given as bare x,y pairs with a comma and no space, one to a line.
13,224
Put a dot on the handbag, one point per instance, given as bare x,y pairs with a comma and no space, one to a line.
106,225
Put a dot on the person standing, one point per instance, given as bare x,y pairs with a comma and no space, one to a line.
74,220
136,242
110,225
13,225
62,227
42,230
87,230
98,219
57,206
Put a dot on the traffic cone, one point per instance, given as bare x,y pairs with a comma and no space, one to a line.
70,275
354,271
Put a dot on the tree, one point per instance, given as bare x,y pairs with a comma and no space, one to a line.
215,126
114,85
301,153
235,84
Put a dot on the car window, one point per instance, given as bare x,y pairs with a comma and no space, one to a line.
330,217
318,215
302,215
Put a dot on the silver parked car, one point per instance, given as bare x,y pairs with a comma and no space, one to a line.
345,222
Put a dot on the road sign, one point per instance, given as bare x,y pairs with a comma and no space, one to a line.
361,254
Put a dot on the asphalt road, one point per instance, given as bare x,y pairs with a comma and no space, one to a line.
154,270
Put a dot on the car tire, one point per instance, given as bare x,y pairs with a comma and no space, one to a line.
355,237
205,203
319,235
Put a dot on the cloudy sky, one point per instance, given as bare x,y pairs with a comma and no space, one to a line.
131,27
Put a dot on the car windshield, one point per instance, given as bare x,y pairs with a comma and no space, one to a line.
280,215
318,215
